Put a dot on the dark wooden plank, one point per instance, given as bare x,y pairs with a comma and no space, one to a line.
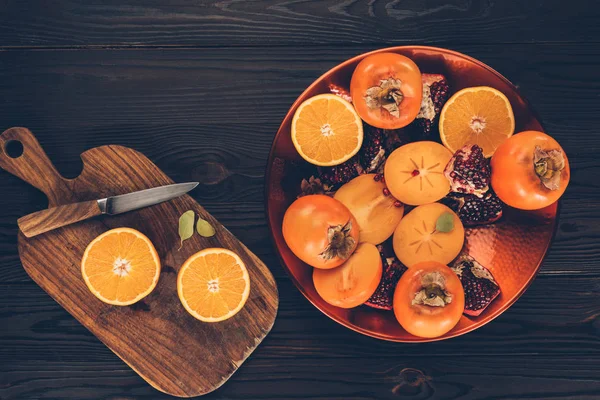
208,113
573,252
171,105
543,347
204,89
277,22
468,378
566,323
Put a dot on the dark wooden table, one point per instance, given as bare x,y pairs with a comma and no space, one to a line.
200,87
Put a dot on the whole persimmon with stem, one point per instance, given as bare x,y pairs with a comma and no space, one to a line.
386,90
530,171
429,299
320,231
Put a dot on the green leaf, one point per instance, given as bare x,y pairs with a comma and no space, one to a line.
204,228
445,222
186,226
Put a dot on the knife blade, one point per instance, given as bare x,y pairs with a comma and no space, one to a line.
57,217
143,198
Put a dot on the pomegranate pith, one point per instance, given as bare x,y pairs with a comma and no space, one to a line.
435,94
340,91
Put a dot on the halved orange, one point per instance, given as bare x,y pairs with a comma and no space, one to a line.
478,115
213,284
326,130
121,266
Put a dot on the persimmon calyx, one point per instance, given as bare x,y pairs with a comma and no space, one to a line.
432,291
548,166
386,95
340,242
313,186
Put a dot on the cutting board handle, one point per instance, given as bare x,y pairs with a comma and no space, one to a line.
33,165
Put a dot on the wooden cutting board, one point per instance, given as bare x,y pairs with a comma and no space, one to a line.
156,337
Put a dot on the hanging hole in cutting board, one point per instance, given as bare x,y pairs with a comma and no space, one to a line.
13,148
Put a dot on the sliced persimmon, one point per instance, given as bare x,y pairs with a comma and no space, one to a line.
377,215
417,238
414,173
352,283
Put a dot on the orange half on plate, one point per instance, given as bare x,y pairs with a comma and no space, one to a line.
478,115
326,130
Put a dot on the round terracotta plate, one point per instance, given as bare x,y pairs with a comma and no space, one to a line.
512,248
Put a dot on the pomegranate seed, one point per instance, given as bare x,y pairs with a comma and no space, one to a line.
386,192
415,172
397,204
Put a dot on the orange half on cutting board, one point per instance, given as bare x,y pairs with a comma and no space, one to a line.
213,284
121,266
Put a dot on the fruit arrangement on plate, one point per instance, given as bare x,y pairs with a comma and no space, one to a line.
411,179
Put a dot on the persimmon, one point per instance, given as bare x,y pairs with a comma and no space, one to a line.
429,299
414,173
386,90
320,231
352,283
417,237
530,171
378,215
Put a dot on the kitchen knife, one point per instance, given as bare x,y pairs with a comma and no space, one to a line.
57,217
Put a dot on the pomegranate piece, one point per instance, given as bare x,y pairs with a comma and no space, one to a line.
378,144
394,138
479,284
340,174
372,154
473,210
383,298
468,171
340,91
435,94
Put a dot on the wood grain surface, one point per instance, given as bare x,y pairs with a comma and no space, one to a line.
156,337
283,22
201,88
